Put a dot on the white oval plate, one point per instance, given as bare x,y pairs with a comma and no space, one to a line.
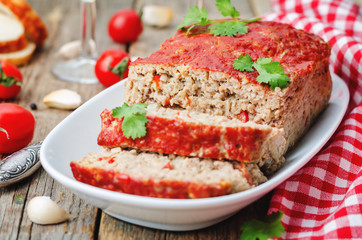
76,136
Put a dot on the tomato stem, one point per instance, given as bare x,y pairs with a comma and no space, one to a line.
120,68
8,81
3,130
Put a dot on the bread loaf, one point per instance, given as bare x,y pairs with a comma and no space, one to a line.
21,10
12,35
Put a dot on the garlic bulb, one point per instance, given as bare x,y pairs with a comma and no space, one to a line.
157,16
72,49
43,210
63,99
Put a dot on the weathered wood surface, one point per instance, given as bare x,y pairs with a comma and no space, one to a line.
63,21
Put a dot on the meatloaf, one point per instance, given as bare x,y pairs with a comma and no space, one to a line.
157,175
196,72
195,134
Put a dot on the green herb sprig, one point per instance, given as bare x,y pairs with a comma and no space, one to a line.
199,17
271,73
19,199
262,230
134,119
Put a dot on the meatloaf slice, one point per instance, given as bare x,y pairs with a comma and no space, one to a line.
156,175
196,72
195,134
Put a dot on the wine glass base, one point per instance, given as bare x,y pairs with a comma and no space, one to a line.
79,70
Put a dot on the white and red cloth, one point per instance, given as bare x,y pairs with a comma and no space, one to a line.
323,200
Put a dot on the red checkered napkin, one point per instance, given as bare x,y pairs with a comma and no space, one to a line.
324,199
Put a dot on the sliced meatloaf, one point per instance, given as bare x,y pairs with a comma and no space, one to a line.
196,72
156,175
195,134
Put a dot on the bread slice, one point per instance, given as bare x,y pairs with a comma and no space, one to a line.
156,175
19,57
195,134
196,72
12,34
34,26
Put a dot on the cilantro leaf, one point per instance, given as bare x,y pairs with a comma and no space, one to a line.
262,230
271,73
134,119
244,63
228,28
195,15
224,6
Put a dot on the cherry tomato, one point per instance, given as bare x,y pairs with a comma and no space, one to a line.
112,66
16,127
10,80
125,26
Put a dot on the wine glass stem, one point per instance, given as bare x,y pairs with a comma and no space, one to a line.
88,14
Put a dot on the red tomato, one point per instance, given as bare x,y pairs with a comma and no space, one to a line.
10,80
16,127
125,26
112,66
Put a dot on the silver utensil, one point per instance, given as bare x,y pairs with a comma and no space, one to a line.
19,165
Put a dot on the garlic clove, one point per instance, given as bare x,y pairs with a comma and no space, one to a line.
72,49
43,210
157,16
63,99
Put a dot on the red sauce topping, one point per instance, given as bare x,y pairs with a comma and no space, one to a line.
121,182
175,136
296,50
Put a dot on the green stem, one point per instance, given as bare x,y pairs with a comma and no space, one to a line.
3,130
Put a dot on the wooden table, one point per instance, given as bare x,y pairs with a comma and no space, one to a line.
63,21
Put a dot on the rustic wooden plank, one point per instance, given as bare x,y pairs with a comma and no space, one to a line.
38,81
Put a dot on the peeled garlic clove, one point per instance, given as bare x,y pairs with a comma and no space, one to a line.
157,16
43,210
63,99
72,49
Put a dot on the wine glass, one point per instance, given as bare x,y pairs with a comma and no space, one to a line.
199,3
81,68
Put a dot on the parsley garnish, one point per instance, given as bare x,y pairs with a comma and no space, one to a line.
271,73
3,130
224,6
228,28
19,199
262,230
244,63
199,17
134,119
